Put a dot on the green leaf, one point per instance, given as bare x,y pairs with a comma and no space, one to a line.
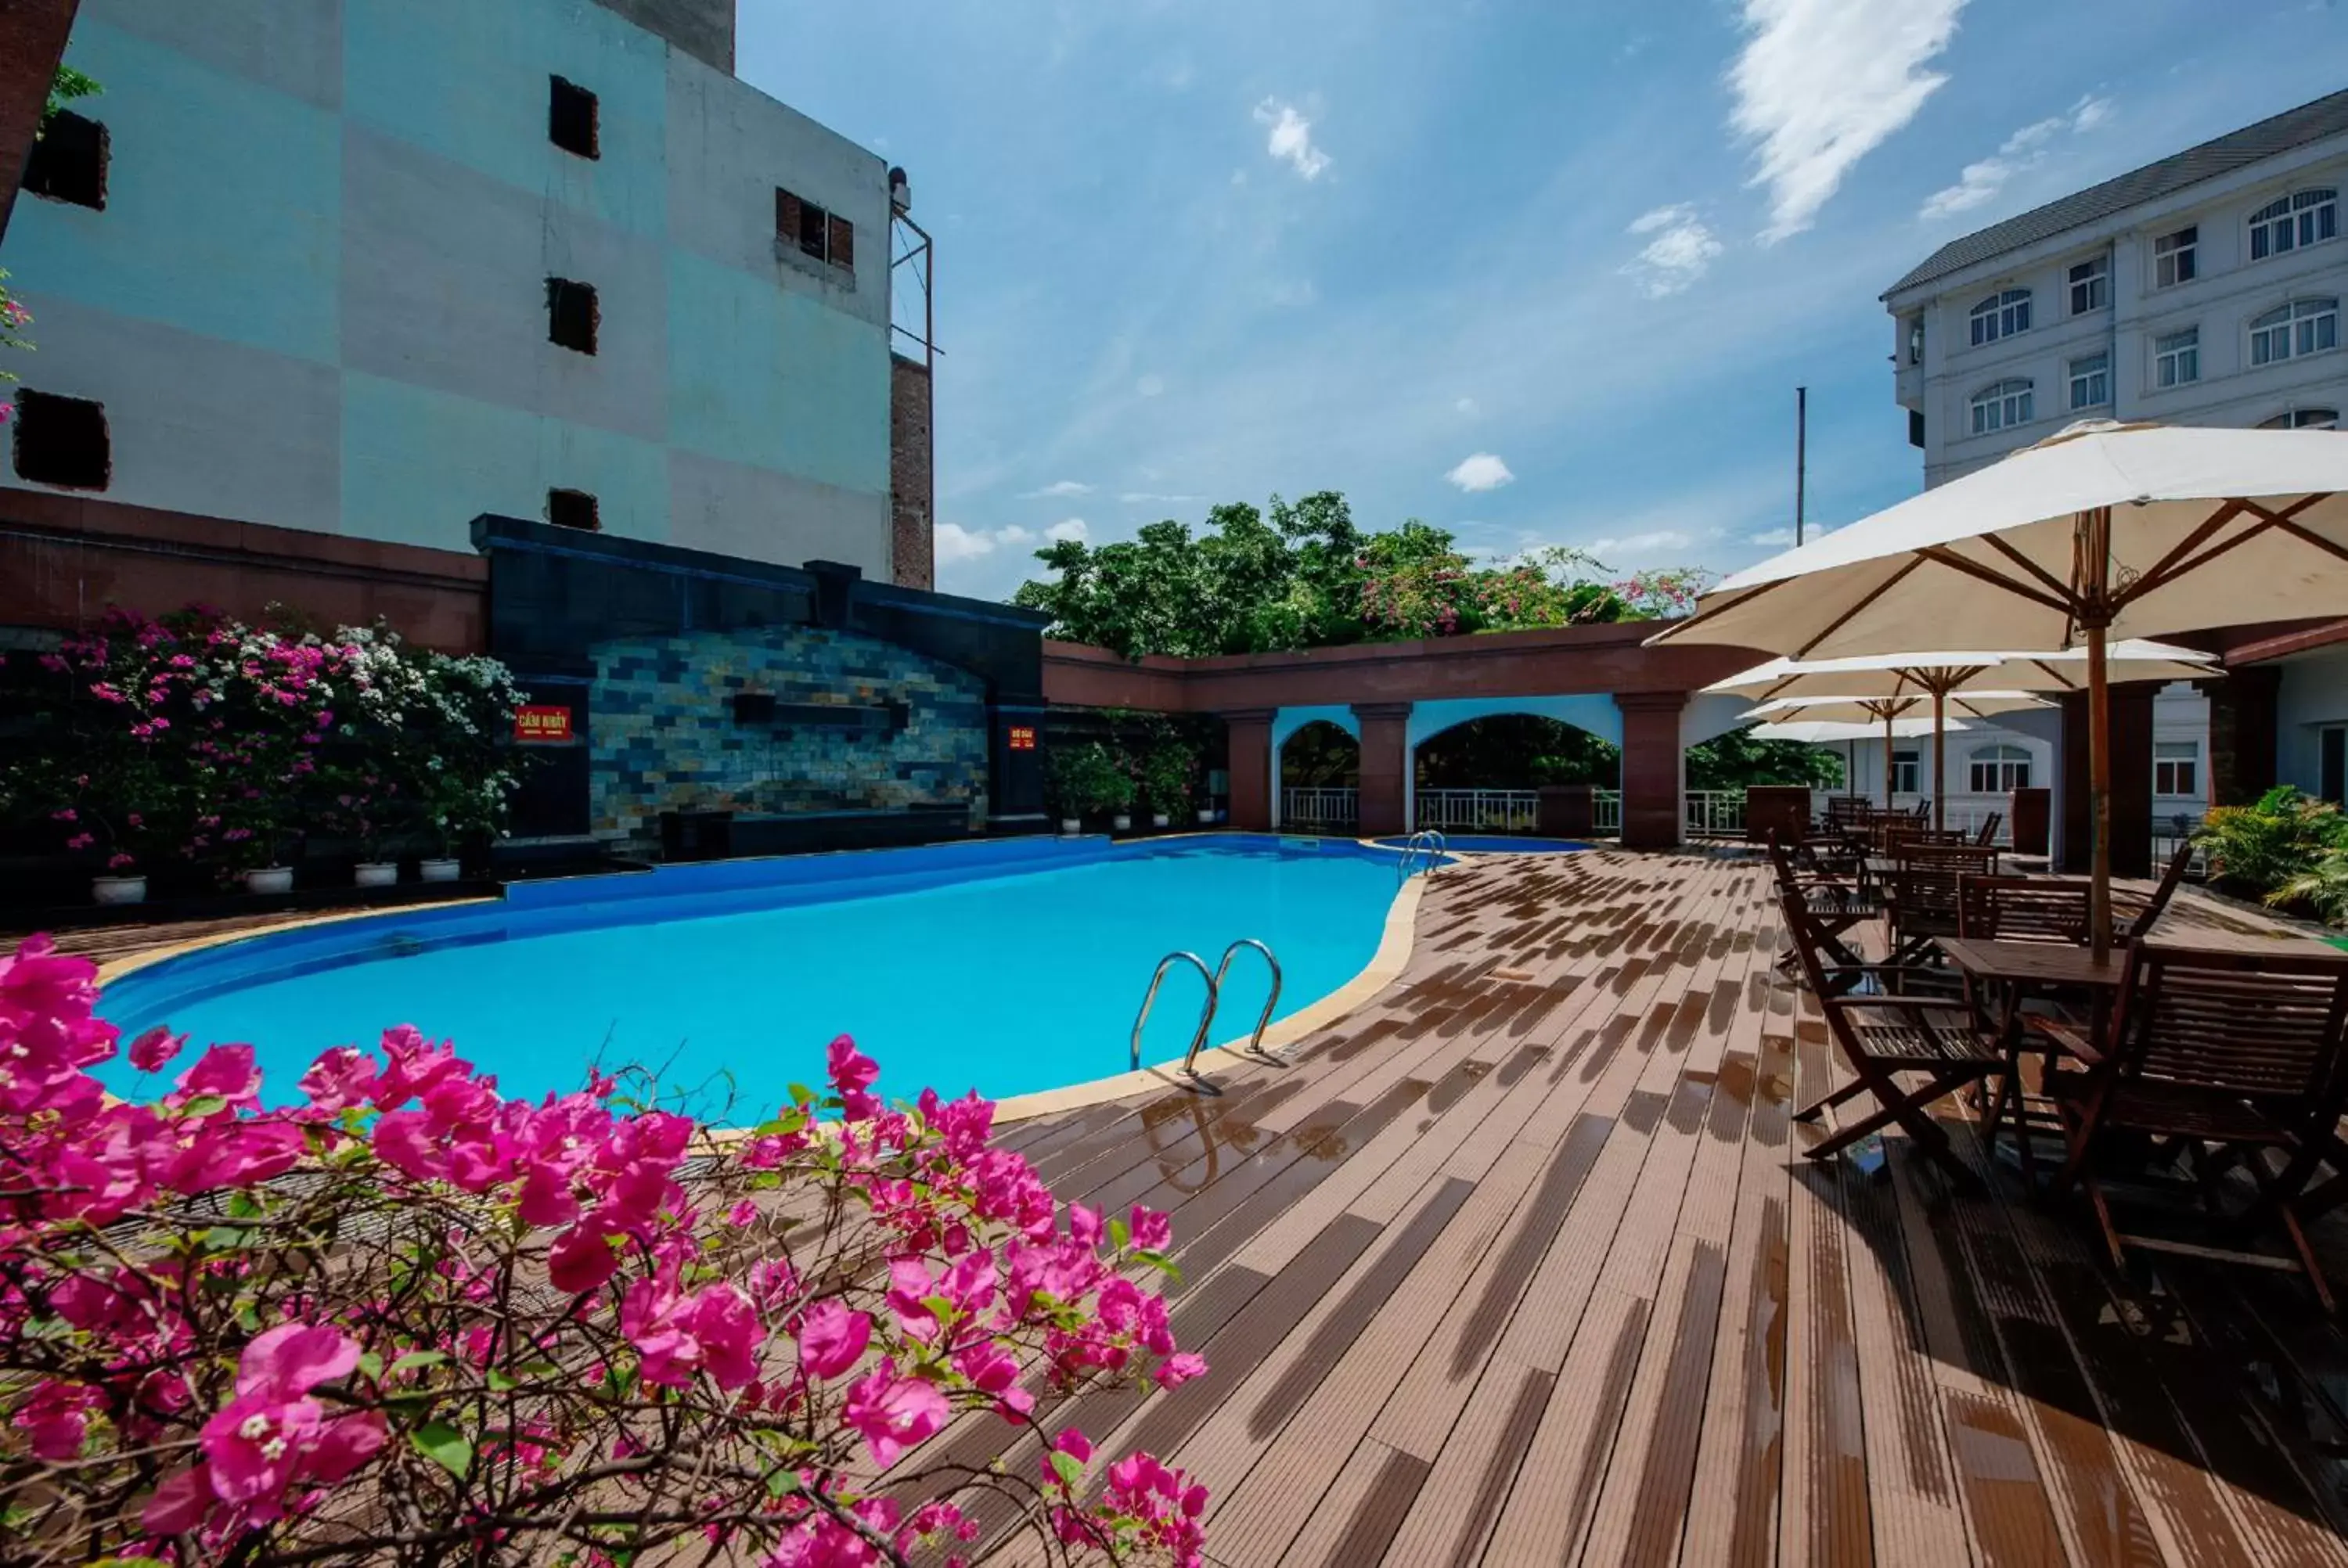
416,1360
371,1364
503,1382
1119,1233
1068,1468
445,1446
800,1093
203,1105
782,1482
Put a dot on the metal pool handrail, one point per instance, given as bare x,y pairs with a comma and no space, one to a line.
1149,999
1428,840
1264,1021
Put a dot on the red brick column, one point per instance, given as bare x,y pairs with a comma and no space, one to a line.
32,41
1385,764
1250,733
1650,768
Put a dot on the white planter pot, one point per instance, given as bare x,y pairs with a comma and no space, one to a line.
1206,816
1158,819
447,870
375,874
118,890
1070,827
270,879
1121,823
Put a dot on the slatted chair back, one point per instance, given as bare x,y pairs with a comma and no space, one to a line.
1899,836
1808,938
2141,922
1987,836
2023,909
1846,810
2265,1027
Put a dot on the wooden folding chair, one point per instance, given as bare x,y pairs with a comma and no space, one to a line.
2227,1057
2023,909
1834,903
1887,1031
2142,916
1987,836
1921,894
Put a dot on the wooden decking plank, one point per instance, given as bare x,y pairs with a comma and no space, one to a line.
1357,1517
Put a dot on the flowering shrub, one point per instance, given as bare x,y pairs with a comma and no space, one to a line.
200,736
13,318
403,1319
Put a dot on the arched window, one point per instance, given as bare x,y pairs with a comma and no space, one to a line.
2296,331
1998,769
2303,419
2302,218
2001,316
2008,403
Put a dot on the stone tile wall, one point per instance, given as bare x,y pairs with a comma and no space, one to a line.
664,736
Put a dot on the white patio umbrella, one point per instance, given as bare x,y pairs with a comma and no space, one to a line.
1888,711
1940,675
2105,529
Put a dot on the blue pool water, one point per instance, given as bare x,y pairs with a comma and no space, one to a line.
1501,843
1004,967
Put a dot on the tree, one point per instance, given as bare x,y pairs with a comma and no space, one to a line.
1736,760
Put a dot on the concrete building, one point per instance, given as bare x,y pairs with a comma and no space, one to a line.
2204,288
375,268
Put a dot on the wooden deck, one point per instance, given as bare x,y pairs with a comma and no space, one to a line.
1519,1265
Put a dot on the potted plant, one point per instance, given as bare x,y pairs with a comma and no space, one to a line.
460,768
1082,778
1169,770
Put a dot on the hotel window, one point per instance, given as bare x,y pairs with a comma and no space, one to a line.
2091,381
572,118
69,162
574,509
1996,770
62,441
2331,764
2176,358
2091,286
2001,316
2303,419
2301,218
2176,257
1907,769
824,236
2000,406
572,317
2176,767
2296,331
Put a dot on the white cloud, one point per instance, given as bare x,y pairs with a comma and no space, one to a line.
1631,545
1291,137
2024,150
1480,471
1682,251
1150,386
1067,528
1155,498
955,543
1468,407
1058,487
1783,538
1821,83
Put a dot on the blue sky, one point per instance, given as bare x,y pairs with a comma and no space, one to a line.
1536,273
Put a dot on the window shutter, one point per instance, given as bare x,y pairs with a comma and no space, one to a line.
842,242
787,216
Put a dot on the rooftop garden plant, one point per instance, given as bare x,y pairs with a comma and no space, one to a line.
2286,847
387,1315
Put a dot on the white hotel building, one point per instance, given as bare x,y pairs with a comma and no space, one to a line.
2204,288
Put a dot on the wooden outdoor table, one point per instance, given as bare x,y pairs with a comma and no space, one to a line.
2021,970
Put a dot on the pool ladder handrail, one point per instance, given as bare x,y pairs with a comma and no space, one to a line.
1214,999
1263,1019
1428,841
1149,999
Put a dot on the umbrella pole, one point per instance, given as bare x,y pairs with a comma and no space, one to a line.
1940,759
2099,789
1887,758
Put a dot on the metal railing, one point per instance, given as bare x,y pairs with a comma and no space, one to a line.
1263,1019
1714,813
1428,842
1327,808
1149,999
1480,810
1606,813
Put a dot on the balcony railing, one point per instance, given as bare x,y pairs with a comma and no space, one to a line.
1606,813
1714,813
1478,810
1320,810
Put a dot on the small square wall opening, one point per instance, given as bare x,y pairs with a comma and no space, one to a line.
572,118
571,316
574,509
69,162
62,441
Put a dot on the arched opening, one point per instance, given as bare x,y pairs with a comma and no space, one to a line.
1484,775
1320,779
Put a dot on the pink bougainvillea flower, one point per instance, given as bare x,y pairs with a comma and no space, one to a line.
832,1338
1176,1370
1152,1231
154,1049
893,1413
585,1256
340,1079
227,1071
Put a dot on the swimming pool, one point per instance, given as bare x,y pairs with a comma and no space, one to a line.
1500,843
1006,967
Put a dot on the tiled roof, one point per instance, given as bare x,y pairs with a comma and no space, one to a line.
2293,127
